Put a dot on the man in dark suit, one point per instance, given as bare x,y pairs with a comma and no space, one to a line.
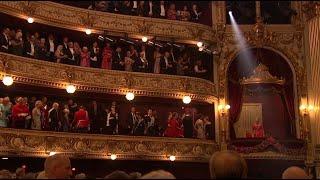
30,47
4,40
51,47
95,56
72,59
54,117
94,111
65,45
131,121
166,64
117,60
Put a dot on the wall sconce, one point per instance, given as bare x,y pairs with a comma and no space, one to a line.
223,108
306,109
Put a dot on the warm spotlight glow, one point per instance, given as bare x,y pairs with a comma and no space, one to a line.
24,166
71,88
227,107
230,13
73,169
129,96
52,153
4,158
199,44
200,48
144,39
303,107
220,107
310,108
113,157
172,158
30,20
186,99
7,80
88,31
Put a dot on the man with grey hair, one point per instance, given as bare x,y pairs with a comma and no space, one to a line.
295,172
227,164
159,174
54,118
57,167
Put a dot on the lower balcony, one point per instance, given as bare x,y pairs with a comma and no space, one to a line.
18,142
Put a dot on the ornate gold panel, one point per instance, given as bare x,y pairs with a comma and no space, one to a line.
18,142
36,72
79,19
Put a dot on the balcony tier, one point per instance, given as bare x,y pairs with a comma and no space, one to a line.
65,16
47,74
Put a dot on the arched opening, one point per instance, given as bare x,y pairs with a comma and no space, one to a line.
276,102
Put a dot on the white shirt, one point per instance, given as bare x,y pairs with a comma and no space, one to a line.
167,62
51,45
32,49
135,4
163,11
5,36
150,7
72,52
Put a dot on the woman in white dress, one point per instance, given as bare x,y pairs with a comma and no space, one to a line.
157,56
200,129
36,116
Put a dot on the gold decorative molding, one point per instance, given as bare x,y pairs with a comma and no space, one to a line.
260,75
273,155
311,9
56,14
19,142
55,75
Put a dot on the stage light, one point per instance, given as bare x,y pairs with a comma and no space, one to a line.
129,96
113,157
7,80
199,44
88,31
186,99
227,107
172,158
24,166
303,107
71,88
200,48
4,158
30,20
144,39
52,153
310,108
73,169
230,13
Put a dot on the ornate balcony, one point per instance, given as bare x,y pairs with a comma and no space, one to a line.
17,142
80,19
47,74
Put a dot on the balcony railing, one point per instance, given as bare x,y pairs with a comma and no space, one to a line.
64,16
55,75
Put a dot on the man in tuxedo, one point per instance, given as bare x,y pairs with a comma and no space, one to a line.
94,111
65,45
4,40
30,47
117,60
54,117
166,64
72,58
141,64
131,120
51,47
95,58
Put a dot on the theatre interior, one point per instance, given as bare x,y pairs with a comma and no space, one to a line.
139,86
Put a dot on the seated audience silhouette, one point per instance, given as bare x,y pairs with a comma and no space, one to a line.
227,165
57,167
295,172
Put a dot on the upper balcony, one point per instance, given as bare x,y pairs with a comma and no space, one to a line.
79,19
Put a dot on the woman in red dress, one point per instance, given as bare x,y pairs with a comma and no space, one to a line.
81,119
106,57
174,127
85,57
20,113
257,128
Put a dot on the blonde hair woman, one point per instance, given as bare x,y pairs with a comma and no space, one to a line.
59,54
36,116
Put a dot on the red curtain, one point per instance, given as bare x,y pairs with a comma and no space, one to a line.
235,101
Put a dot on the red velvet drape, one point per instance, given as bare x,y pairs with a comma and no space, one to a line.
243,67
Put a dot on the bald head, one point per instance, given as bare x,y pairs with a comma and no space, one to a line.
227,164
294,172
57,167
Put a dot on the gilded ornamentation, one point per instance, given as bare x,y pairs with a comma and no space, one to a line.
25,70
71,17
40,143
311,9
261,74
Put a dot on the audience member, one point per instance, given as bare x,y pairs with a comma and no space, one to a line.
95,59
57,167
117,175
4,40
85,57
106,57
295,172
227,165
36,116
195,13
171,12
159,174
128,62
